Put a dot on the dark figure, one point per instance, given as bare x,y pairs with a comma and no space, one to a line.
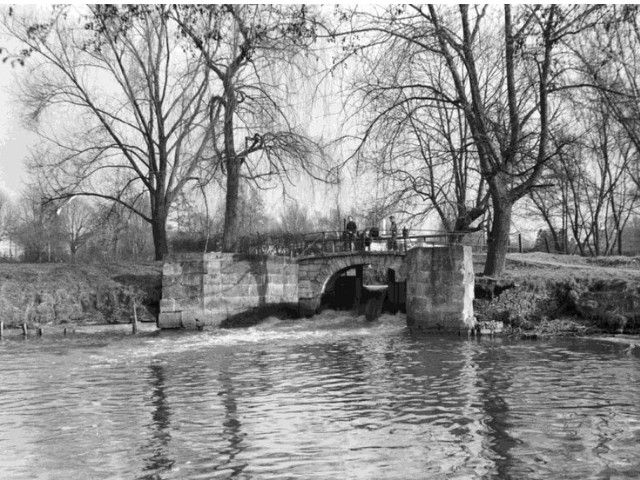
393,244
361,241
405,235
367,240
351,231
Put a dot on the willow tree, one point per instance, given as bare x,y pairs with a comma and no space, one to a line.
120,105
609,67
252,52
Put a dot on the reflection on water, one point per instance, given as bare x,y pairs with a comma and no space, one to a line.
158,459
333,397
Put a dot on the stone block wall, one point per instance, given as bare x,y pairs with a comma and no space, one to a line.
206,289
440,286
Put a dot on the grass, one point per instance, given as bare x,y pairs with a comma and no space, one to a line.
52,294
566,294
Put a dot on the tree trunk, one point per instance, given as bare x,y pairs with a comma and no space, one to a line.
498,237
619,241
230,235
159,231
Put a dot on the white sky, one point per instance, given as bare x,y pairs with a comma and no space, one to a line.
14,139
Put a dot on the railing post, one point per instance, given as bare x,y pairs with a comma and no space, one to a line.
324,242
520,242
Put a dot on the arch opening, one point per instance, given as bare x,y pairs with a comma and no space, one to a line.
346,289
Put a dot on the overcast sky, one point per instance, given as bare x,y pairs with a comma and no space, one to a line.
14,140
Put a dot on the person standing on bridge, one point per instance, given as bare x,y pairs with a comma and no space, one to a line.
351,230
393,242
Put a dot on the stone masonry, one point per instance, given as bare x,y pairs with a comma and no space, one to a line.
440,285
205,289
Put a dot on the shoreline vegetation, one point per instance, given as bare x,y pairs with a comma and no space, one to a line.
550,295
540,295
55,296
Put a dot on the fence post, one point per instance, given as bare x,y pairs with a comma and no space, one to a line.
324,242
520,242
1,329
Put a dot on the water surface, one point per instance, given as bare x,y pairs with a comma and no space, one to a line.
331,397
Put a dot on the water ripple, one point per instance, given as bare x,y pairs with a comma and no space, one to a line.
334,397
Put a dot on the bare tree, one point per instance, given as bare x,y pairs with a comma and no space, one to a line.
37,229
250,50
419,144
79,222
501,79
295,219
609,66
121,107
592,196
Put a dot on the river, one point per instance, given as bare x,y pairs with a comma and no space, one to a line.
329,398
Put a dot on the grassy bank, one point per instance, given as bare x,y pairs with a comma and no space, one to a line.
543,294
78,294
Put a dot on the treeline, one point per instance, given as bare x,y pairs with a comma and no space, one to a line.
86,230
479,115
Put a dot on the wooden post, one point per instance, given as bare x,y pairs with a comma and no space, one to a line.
324,242
358,293
64,332
1,329
134,320
25,330
520,242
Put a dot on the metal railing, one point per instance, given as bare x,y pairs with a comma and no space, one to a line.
328,242
324,243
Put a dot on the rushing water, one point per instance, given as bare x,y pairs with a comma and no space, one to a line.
333,397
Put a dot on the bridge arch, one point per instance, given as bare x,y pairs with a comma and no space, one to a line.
316,273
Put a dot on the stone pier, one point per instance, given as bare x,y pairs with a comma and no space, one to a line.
440,285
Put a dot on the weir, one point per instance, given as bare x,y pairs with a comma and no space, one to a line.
207,289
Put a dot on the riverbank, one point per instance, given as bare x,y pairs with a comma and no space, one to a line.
56,296
548,295
539,295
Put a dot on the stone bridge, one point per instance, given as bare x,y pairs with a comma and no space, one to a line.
316,274
207,289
